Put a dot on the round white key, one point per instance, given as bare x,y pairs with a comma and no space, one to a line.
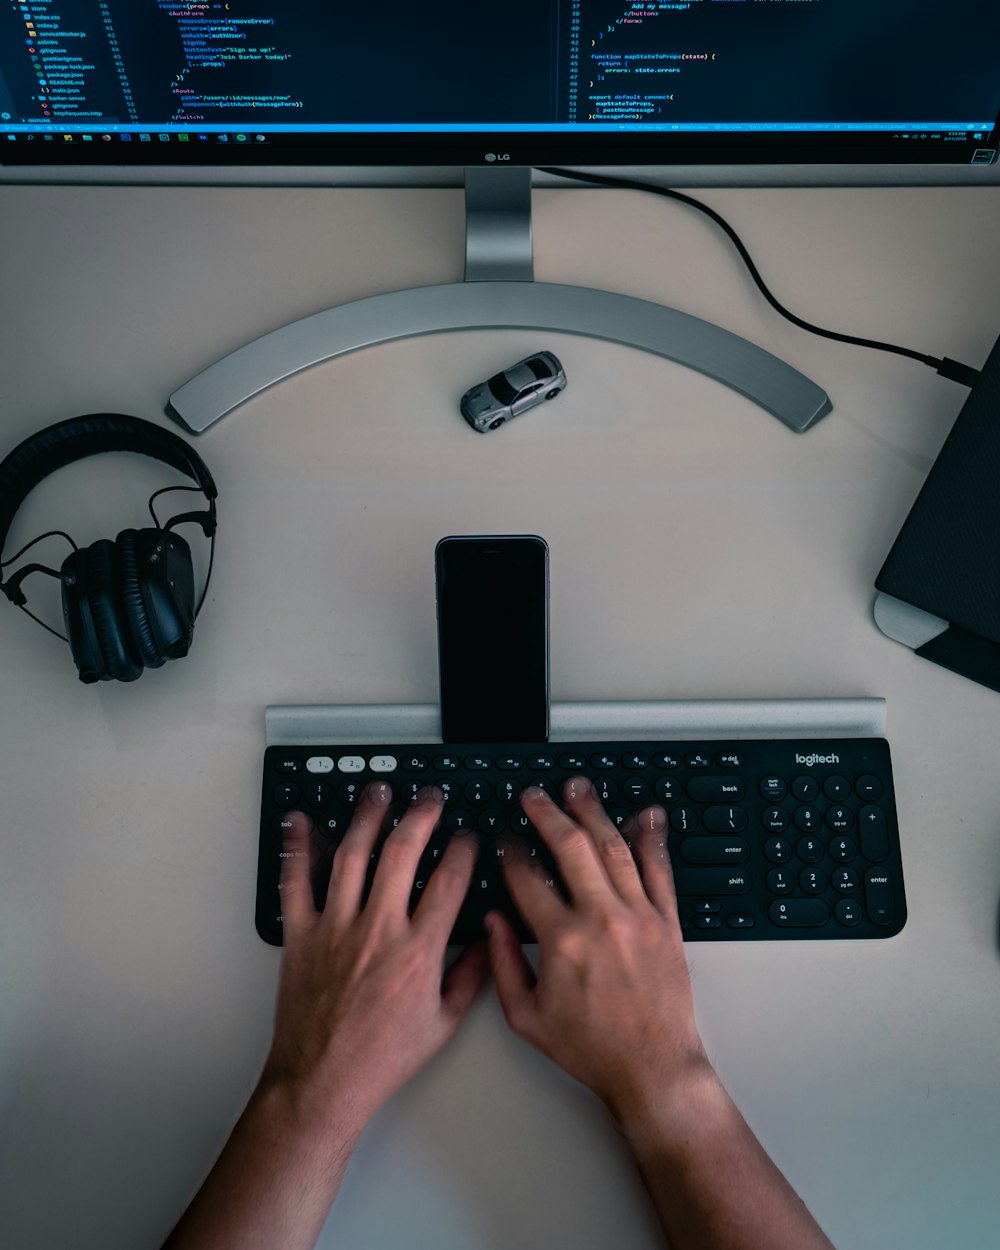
351,764
382,763
319,764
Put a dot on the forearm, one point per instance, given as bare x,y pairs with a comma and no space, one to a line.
275,1181
712,1183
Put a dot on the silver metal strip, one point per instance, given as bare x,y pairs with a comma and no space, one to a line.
778,388
318,724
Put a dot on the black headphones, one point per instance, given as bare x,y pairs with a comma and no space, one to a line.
127,604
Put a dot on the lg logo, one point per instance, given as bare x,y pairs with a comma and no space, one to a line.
497,156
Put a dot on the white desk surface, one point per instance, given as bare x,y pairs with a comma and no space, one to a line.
698,549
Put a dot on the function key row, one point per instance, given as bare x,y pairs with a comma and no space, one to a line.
542,762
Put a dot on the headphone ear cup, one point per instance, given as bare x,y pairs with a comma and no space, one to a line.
166,579
101,650
133,606
121,658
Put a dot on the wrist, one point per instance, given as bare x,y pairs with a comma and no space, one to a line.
324,1122
655,1112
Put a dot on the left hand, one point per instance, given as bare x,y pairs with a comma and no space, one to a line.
363,1001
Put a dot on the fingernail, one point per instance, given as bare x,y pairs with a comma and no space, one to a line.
653,819
429,794
378,792
533,794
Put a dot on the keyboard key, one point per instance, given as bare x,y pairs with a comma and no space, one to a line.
812,880
604,761
837,788
845,881
724,819
708,922
772,788
780,881
288,764
805,789
740,920
868,787
637,761
698,759
774,819
807,913
668,789
477,763
873,833
346,764
320,764
382,763
807,819
879,902
287,794
721,881
447,763
711,789
573,763
848,911
729,759
543,762
778,850
714,850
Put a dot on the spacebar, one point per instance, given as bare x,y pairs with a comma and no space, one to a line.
711,881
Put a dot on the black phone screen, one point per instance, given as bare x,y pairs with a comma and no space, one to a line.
492,597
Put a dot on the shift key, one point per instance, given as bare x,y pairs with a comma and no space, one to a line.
705,882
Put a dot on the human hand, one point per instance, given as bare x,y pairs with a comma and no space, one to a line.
362,1005
612,1001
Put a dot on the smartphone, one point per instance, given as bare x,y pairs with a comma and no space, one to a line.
493,637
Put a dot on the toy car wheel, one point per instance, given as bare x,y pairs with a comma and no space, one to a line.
495,425
551,394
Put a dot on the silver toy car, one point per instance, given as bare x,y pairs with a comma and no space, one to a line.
514,391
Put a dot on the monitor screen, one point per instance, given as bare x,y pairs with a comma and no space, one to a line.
533,82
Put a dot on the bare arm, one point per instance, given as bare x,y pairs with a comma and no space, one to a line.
361,1008
612,1006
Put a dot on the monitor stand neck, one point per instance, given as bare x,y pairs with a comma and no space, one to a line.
499,291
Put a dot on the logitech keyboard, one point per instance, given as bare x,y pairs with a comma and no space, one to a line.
769,840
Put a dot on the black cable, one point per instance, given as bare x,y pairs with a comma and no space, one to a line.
948,368
162,491
47,534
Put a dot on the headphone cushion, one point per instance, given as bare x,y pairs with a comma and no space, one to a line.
121,659
133,606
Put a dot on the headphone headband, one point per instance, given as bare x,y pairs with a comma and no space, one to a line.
67,441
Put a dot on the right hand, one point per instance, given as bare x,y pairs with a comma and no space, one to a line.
612,1001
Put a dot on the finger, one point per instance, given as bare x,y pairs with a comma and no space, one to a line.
444,893
350,863
535,896
463,981
511,971
574,850
298,908
588,810
654,860
400,855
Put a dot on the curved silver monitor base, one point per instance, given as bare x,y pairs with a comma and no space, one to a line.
499,293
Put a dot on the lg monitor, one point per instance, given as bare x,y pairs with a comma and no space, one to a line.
683,91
